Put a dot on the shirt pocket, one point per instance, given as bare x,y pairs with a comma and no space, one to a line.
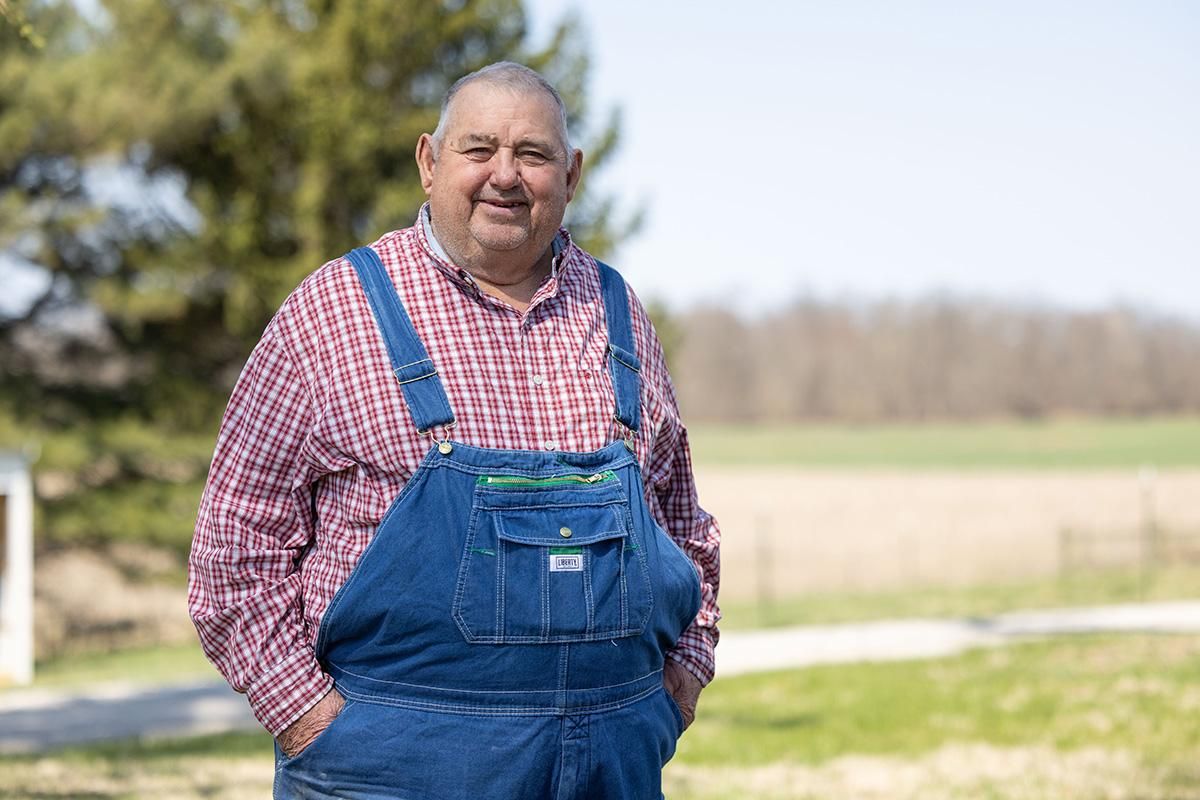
551,560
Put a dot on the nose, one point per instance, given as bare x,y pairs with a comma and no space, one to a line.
505,169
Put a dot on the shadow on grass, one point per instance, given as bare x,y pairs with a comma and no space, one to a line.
753,718
221,745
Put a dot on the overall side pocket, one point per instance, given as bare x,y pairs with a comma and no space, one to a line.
324,740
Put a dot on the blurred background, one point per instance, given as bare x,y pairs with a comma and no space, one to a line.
927,273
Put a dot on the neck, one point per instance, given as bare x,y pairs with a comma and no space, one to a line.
514,284
508,276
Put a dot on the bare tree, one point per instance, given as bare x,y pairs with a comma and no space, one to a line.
935,358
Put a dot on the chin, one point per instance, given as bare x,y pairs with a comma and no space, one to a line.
506,240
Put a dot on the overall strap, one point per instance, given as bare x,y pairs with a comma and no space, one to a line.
411,364
623,362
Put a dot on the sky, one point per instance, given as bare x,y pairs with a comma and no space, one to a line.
1044,152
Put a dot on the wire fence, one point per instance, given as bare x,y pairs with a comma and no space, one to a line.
1148,548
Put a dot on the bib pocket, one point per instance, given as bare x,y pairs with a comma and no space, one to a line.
551,560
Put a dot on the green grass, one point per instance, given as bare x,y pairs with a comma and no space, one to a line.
230,766
1130,696
238,744
161,664
1082,589
1070,443
1134,693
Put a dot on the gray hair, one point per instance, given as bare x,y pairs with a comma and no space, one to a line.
509,75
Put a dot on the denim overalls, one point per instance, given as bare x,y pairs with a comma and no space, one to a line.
503,634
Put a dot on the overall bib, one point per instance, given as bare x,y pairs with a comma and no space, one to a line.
503,634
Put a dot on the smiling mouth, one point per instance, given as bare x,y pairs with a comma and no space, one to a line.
508,204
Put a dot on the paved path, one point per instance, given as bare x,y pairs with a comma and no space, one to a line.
36,720
894,640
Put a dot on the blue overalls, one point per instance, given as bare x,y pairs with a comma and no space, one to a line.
503,634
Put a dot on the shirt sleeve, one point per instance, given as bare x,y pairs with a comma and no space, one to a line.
677,507
698,535
255,519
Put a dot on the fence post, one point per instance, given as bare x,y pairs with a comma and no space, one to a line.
1149,538
1066,552
762,567
16,571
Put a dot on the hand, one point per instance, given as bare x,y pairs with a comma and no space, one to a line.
684,688
299,734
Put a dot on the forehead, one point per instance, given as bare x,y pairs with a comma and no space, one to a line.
499,112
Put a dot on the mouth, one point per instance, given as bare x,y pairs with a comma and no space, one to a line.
507,205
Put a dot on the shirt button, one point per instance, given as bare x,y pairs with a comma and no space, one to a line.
550,444
538,380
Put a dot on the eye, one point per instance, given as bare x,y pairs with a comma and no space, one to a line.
533,157
478,153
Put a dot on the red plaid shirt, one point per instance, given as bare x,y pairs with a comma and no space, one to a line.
317,442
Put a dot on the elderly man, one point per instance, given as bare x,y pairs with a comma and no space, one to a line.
450,545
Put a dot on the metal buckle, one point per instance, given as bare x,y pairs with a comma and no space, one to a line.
443,444
630,435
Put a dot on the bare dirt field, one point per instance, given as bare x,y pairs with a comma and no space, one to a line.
818,530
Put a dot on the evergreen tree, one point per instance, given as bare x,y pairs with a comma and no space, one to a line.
175,167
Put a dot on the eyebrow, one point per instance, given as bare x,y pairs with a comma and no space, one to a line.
469,139
472,139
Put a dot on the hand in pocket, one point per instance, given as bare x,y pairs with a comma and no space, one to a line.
301,733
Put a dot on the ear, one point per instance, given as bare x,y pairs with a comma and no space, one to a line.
426,161
574,172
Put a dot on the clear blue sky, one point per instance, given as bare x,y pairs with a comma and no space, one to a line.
1045,151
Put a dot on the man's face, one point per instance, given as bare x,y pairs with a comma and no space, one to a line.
500,183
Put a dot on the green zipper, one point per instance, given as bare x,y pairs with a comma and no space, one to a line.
518,482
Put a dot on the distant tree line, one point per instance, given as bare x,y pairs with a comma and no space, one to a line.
932,359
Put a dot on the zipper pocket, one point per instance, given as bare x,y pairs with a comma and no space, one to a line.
518,482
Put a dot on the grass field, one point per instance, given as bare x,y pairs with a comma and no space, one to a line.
1087,589
145,665
1064,719
1069,443
1094,717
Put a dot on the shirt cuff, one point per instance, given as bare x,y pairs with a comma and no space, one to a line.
281,695
696,652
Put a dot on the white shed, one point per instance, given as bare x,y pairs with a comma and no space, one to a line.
16,570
